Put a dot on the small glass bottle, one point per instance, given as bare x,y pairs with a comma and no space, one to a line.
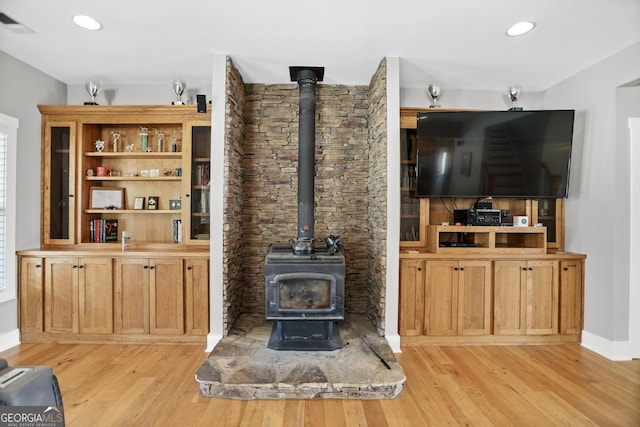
160,142
144,140
174,144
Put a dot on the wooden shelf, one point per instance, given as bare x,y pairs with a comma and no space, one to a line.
133,178
134,155
132,211
483,240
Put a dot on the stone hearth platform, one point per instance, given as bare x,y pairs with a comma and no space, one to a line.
242,367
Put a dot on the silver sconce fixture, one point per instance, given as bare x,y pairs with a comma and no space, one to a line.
435,91
514,93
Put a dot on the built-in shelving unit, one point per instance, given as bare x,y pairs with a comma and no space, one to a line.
101,165
464,284
486,240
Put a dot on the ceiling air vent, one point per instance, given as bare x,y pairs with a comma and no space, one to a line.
14,25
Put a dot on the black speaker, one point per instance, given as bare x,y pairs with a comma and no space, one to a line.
202,103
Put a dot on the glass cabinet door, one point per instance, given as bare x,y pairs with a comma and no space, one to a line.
550,213
199,209
411,230
59,187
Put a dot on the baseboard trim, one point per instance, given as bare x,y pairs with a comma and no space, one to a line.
394,342
9,339
212,340
612,350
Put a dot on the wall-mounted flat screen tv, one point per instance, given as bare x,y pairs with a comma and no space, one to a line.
478,154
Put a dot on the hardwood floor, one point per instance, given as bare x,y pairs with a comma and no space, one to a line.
153,385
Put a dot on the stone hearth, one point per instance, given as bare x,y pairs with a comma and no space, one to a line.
242,367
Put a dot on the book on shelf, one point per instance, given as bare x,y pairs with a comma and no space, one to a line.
103,230
177,231
202,173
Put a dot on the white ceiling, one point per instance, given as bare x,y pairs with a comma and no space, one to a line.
460,43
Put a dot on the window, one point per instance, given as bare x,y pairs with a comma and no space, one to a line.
8,136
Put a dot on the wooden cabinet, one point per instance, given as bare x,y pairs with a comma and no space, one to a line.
441,298
131,284
166,296
491,300
571,296
115,297
31,294
526,297
457,298
198,151
149,296
66,279
445,298
411,316
95,295
542,297
510,298
196,296
474,297
58,201
98,164
412,228
138,153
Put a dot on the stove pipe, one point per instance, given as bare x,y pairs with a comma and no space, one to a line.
306,78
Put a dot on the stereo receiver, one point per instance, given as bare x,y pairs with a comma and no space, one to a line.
482,216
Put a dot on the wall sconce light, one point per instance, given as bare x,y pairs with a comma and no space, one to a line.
514,93
435,91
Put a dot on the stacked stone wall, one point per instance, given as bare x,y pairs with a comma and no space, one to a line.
377,196
269,170
233,195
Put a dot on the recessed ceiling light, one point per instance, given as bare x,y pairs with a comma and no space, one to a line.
87,22
520,28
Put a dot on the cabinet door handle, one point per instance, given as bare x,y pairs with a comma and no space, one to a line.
461,268
530,268
81,266
145,267
74,266
189,268
566,268
524,268
187,195
419,269
151,267
38,265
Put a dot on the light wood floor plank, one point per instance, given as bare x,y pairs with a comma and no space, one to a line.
154,385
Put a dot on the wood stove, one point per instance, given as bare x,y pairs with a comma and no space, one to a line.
305,296
304,282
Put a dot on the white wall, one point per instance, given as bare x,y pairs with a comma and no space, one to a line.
392,288
113,94
634,253
627,105
599,186
469,99
216,261
23,88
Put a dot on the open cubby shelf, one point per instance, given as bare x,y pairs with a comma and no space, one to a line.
484,240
